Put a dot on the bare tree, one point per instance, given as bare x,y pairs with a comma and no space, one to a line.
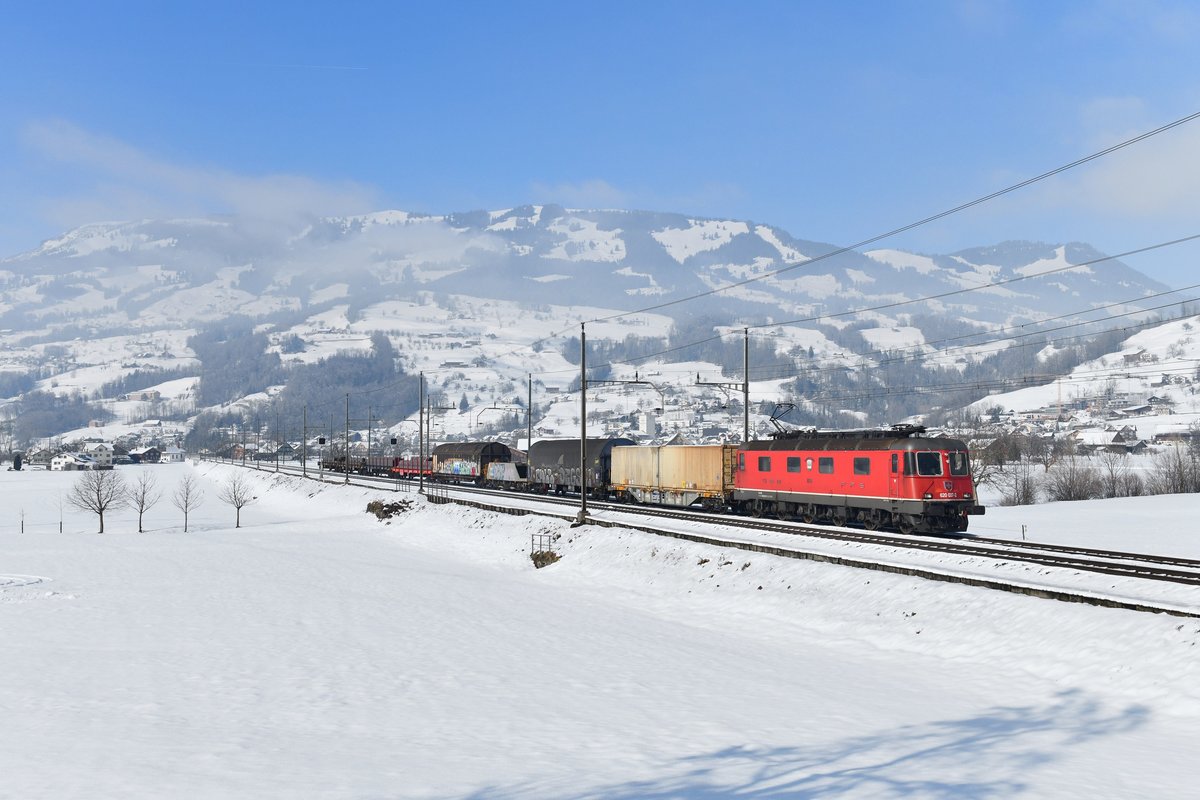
1040,451
1115,477
98,491
1176,470
238,493
1073,479
1017,486
144,494
187,496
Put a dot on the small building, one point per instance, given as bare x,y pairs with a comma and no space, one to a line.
174,455
144,395
145,455
70,462
101,452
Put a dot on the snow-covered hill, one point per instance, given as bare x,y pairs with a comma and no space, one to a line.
463,296
1150,382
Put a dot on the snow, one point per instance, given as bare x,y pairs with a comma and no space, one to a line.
699,237
318,652
1043,265
898,259
790,254
583,240
1171,349
335,291
894,337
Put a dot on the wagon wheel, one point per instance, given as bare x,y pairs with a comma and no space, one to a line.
871,521
905,524
807,516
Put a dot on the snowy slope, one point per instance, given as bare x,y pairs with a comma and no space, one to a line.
317,652
1159,362
479,288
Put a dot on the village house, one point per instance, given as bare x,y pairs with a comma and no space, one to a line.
100,452
145,455
68,462
145,395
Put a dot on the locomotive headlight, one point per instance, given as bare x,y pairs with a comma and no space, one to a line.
966,495
928,496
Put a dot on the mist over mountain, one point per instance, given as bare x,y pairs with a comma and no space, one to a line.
150,273
465,294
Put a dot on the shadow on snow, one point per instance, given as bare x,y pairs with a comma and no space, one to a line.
990,755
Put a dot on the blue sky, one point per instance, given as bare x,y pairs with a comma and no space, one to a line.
835,121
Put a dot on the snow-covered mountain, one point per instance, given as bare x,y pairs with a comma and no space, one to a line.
165,272
467,294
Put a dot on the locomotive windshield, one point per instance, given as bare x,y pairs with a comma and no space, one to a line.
929,464
959,465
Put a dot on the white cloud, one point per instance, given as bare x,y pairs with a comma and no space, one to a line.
119,181
709,199
1159,176
594,193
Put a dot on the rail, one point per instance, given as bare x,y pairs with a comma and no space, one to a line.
1069,559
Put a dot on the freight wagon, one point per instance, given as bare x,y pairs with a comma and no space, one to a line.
467,462
675,475
554,465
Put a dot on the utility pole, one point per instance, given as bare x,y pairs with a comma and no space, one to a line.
744,385
529,416
582,518
421,435
304,444
347,480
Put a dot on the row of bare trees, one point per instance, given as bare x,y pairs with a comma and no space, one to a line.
102,491
1175,470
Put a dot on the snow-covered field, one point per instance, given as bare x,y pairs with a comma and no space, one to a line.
318,652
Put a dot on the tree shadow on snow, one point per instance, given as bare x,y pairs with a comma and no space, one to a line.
990,755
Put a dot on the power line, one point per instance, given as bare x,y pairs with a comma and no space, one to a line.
871,240
888,306
878,237
905,228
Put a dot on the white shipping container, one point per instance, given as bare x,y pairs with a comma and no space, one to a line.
677,475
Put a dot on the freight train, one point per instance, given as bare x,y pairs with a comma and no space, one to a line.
897,477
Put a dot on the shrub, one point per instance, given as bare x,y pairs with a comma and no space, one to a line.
385,511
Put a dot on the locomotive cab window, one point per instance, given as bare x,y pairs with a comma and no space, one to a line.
959,463
793,464
862,466
825,465
764,463
929,464
895,463
741,462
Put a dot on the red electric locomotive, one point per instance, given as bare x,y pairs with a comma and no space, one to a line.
894,477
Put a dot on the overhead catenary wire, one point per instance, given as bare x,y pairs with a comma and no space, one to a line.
887,306
919,223
894,232
853,247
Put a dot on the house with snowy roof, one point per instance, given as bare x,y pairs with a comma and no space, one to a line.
100,452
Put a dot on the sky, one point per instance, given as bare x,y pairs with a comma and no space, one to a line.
834,121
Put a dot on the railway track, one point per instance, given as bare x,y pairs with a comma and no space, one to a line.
1114,564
